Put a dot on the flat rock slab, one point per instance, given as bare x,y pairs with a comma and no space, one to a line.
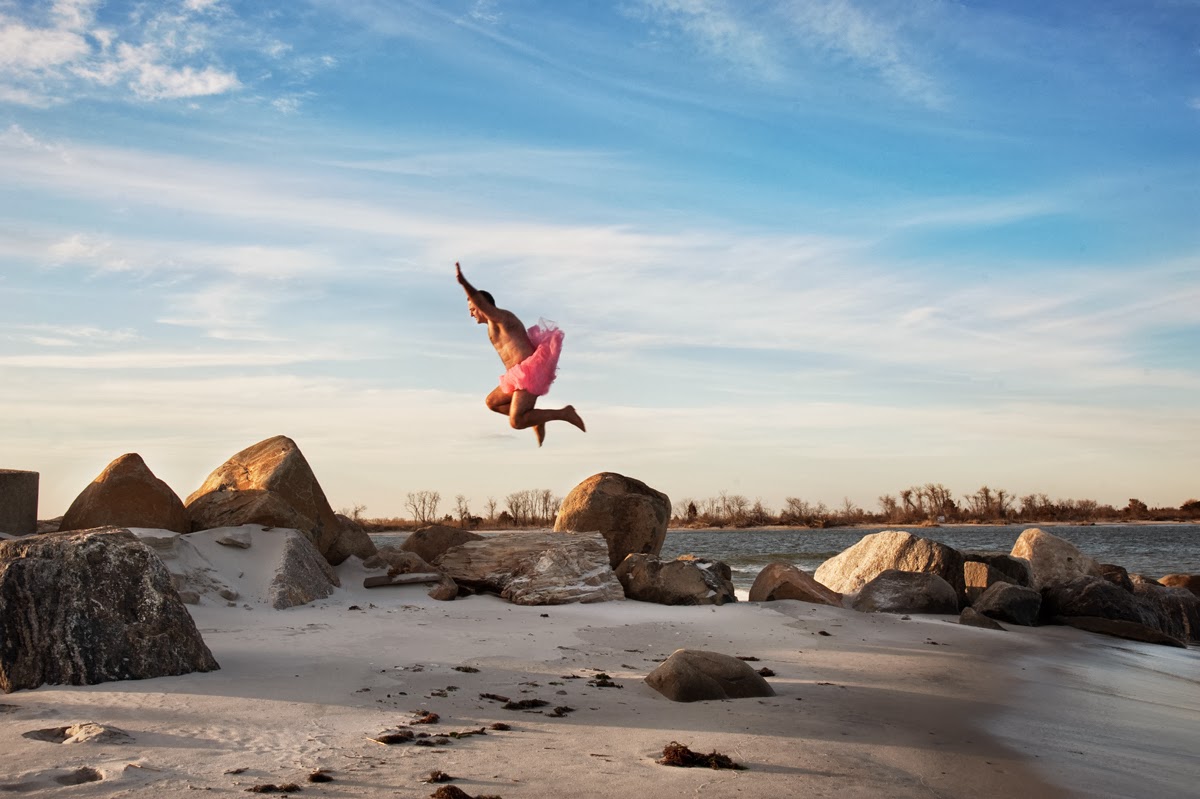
535,568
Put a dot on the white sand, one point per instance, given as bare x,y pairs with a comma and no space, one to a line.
875,709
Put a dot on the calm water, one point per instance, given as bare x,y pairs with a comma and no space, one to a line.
1150,549
1153,550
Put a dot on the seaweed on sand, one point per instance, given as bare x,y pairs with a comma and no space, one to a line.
676,754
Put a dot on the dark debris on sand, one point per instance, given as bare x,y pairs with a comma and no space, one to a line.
453,792
270,787
676,754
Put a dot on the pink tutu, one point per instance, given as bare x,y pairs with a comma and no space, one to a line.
537,372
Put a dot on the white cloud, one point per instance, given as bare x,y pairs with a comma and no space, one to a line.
720,31
40,65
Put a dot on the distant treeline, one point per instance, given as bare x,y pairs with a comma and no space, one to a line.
931,503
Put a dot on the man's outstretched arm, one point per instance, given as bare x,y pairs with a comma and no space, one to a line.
481,302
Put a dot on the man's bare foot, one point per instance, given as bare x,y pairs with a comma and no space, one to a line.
569,415
539,430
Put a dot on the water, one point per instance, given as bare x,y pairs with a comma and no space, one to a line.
1150,549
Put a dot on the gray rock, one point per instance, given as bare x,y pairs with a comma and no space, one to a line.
535,568
895,591
127,494
1130,631
1176,608
1087,595
892,550
116,614
630,515
684,581
1053,560
302,575
18,502
238,539
973,618
1014,604
693,675
786,581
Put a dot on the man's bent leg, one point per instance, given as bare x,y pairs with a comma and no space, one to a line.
522,414
499,401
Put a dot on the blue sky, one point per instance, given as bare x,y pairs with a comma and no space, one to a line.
825,249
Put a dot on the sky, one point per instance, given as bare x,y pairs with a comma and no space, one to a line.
824,249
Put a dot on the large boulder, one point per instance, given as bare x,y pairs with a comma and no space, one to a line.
126,494
895,591
1088,595
692,675
431,541
114,614
1015,604
1053,560
786,581
684,581
1177,609
895,550
630,515
292,498
535,568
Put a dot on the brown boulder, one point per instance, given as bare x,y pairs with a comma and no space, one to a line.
785,581
127,494
277,466
1189,581
979,576
1117,575
630,515
895,591
431,541
115,613
1053,560
684,581
238,508
1015,569
894,550
692,675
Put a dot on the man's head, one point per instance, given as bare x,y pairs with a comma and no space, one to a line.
474,310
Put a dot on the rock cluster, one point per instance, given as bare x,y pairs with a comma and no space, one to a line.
269,484
1045,579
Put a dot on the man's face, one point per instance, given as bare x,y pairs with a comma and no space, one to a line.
475,314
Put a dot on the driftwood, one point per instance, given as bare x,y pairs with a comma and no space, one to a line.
401,579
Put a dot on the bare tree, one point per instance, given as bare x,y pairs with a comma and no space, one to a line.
890,508
423,505
491,508
463,510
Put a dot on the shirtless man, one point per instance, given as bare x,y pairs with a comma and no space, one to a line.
530,357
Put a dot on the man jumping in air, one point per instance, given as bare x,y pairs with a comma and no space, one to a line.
531,358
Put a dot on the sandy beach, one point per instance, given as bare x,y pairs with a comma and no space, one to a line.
868,705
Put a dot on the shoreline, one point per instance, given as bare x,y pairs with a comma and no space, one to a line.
867,704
